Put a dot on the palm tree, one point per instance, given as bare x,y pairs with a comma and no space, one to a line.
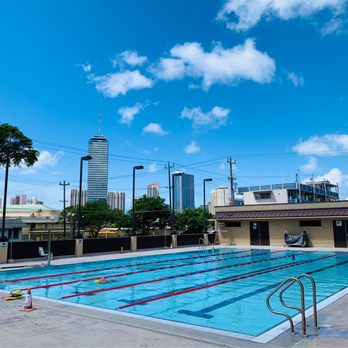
15,150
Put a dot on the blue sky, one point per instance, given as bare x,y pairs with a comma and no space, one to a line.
190,82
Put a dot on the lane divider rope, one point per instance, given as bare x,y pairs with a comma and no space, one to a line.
92,292
121,266
144,271
224,281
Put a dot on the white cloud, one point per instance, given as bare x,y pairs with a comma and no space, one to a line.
47,159
215,118
334,175
311,165
222,166
131,58
113,84
154,128
297,80
152,168
192,148
327,145
247,13
128,113
333,26
222,66
86,67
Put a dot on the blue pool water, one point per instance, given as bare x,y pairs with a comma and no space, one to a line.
223,289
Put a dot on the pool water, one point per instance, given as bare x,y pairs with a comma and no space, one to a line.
223,289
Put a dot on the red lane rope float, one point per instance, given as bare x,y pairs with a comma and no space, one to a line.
148,270
176,293
121,266
91,292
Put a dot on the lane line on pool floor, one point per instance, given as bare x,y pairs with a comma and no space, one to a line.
118,275
203,313
223,281
123,266
92,292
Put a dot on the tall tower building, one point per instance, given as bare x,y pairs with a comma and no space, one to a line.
153,189
74,197
184,192
117,200
220,196
98,148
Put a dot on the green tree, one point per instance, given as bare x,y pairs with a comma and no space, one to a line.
151,213
15,150
191,220
121,220
95,216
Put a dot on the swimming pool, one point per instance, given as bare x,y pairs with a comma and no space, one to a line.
224,289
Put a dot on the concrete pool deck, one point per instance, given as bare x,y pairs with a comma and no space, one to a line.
59,324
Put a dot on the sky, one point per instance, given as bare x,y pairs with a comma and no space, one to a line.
188,82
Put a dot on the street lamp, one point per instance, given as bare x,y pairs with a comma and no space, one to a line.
204,222
173,206
84,158
133,198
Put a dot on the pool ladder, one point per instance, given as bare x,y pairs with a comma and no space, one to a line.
203,244
285,285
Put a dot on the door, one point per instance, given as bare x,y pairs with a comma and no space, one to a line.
259,233
340,233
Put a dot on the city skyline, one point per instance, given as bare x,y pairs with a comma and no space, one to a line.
217,85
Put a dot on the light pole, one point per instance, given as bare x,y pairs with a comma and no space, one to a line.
173,195
84,158
133,198
204,223
64,184
3,238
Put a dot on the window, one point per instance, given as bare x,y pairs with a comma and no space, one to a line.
232,224
309,223
262,195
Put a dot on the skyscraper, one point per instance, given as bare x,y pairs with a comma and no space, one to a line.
117,200
98,148
220,196
74,197
184,192
153,189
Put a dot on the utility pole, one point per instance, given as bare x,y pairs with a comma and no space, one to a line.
64,184
231,162
169,166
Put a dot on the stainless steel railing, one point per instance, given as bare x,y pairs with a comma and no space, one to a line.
285,285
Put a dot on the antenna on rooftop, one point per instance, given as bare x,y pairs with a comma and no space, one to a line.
99,123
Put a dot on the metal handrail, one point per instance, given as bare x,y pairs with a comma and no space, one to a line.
301,310
314,296
204,245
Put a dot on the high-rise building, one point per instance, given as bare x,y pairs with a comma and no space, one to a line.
184,191
74,197
18,199
117,200
97,190
153,189
219,197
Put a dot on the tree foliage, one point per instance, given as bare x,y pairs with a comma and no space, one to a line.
94,217
191,220
151,213
15,145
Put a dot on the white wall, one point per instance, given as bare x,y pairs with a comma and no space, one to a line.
277,196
